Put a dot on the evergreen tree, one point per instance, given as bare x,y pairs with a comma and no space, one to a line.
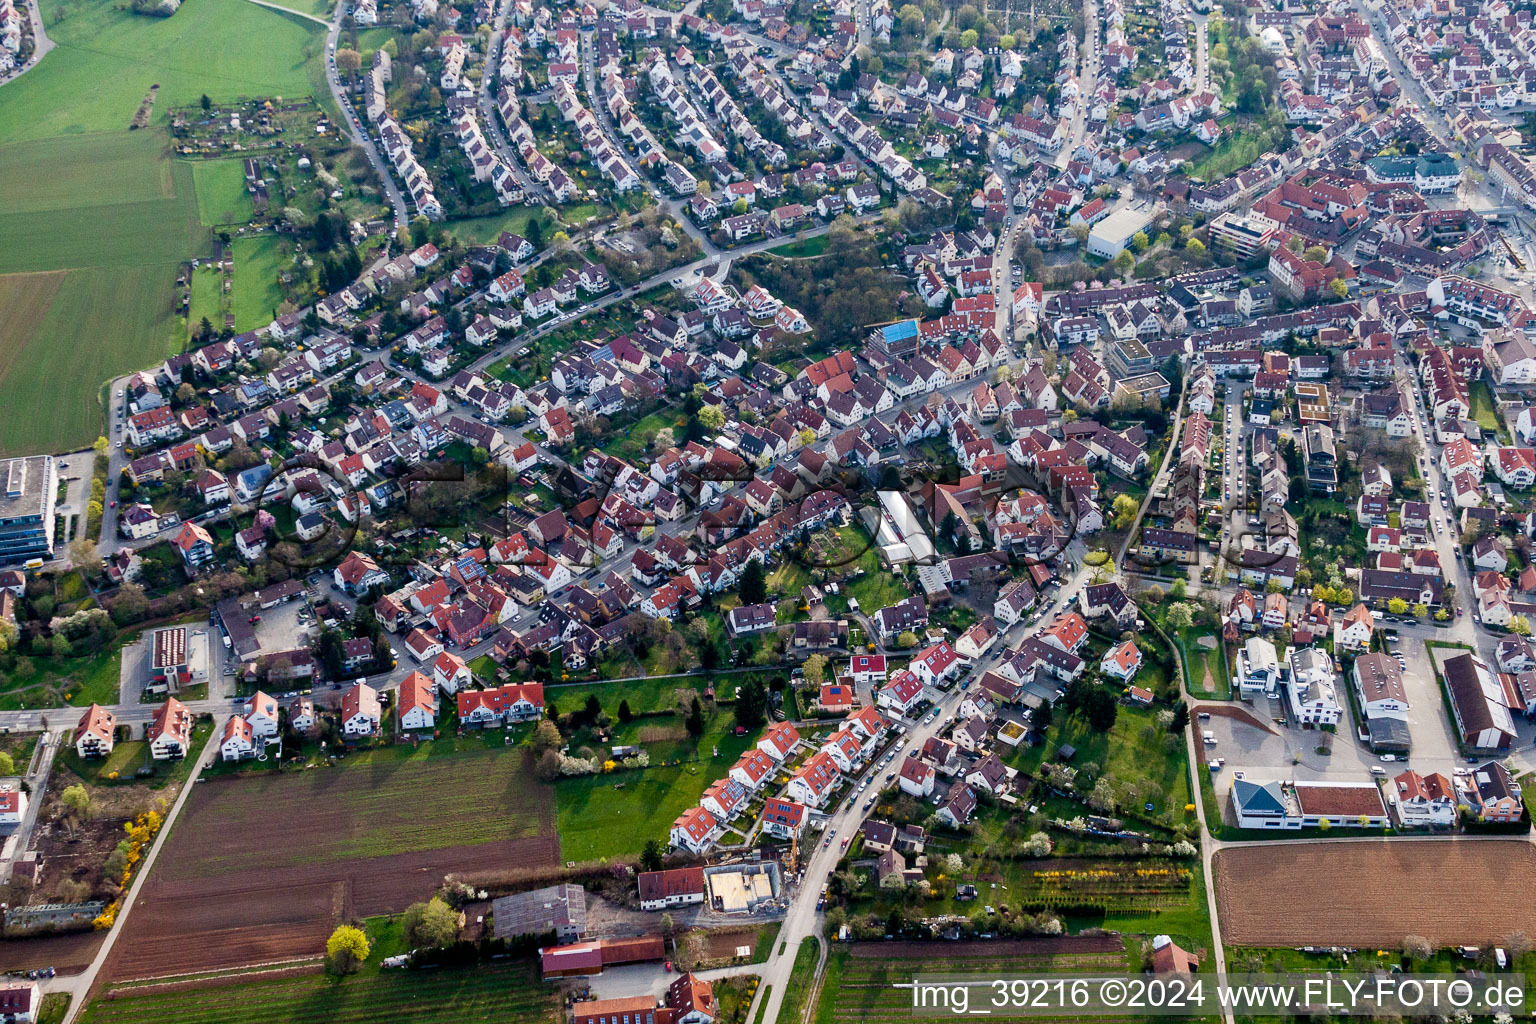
1180,718
754,583
751,705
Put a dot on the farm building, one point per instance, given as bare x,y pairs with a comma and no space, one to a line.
583,958
677,887
561,909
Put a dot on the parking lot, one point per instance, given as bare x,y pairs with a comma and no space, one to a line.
1285,752
281,628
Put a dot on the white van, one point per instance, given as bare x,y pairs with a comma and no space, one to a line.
1210,738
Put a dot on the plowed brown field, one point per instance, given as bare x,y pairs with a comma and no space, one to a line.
260,868
1374,893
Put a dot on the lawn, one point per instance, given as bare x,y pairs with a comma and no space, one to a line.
1235,151
53,1008
860,985
207,298
1484,411
106,58
221,194
803,248
501,991
1153,759
633,443
483,230
255,293
800,980
613,815
322,8
79,682
878,588
120,768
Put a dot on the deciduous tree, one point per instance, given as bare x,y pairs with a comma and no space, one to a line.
346,949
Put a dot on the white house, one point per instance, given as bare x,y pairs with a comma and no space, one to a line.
360,711
695,830
1423,801
916,777
901,694
417,703
237,743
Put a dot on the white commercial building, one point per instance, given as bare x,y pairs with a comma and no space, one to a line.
1112,234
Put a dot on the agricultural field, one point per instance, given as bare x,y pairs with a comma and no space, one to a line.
97,277
69,950
377,834
72,171
509,991
256,293
860,981
1375,893
221,194
106,59
87,196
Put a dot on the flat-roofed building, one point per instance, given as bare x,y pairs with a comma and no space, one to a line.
30,486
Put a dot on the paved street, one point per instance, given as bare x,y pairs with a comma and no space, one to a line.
353,123
803,919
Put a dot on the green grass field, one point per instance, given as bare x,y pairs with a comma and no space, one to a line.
107,58
613,815
1485,411
483,230
207,287
509,991
118,248
800,979
221,194
108,206
151,218
865,988
121,317
322,8
72,171
256,293
1129,752
26,299
1236,150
